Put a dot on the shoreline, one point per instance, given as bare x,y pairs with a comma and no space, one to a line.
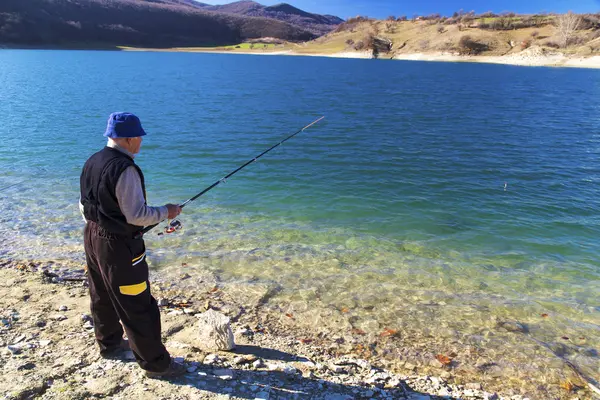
524,59
334,363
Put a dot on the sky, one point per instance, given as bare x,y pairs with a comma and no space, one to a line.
385,8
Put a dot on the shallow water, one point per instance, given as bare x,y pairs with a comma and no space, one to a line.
435,198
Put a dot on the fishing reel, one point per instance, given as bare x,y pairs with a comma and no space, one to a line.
172,227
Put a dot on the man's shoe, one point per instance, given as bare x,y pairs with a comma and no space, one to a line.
175,370
116,352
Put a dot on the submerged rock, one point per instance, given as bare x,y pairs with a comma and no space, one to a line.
215,332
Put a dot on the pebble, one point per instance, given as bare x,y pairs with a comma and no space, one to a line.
163,302
225,374
59,317
473,386
192,369
262,396
211,359
86,318
338,369
14,349
179,360
44,343
63,308
258,363
88,325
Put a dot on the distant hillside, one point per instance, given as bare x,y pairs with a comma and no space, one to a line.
138,23
464,35
315,23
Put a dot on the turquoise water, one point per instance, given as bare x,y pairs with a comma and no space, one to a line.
474,187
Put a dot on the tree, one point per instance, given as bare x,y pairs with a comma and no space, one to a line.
567,24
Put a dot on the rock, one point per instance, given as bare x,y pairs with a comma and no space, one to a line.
338,369
410,367
179,360
211,359
163,302
14,349
192,369
473,386
512,326
215,331
245,331
491,396
88,325
86,318
225,374
262,396
63,308
239,360
59,317
369,393
258,363
40,324
417,396
27,366
44,343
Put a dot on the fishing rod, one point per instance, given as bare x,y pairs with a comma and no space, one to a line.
175,225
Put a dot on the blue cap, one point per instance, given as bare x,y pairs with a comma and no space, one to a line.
123,125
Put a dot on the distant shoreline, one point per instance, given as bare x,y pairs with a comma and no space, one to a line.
524,59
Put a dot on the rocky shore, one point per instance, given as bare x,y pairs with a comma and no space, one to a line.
48,349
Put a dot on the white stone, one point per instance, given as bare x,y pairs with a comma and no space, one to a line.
473,386
88,325
44,343
215,331
338,369
163,302
63,308
258,363
211,359
14,349
225,374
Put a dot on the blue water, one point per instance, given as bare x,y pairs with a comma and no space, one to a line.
472,185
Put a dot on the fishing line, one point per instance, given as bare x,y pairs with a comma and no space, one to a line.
175,225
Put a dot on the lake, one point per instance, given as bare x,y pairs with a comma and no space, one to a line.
437,199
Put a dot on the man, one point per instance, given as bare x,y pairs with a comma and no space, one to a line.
113,203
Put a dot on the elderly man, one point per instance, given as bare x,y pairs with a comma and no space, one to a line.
113,203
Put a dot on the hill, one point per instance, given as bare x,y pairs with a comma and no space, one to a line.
463,36
315,23
152,23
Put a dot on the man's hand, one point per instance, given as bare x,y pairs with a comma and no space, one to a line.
174,210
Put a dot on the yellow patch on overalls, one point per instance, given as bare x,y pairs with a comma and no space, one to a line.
133,290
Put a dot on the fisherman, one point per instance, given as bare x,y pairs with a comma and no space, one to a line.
113,203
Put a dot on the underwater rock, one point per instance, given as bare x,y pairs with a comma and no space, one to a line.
215,332
512,326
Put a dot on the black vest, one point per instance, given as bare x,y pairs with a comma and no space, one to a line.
98,184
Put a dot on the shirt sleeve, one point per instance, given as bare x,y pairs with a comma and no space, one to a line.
130,197
81,211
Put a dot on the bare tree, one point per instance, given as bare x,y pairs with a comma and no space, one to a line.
567,24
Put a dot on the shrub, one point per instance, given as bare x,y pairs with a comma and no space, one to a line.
488,14
402,18
360,45
441,29
567,24
525,44
391,18
350,42
467,45
553,45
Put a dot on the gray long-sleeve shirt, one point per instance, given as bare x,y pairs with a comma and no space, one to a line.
130,197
